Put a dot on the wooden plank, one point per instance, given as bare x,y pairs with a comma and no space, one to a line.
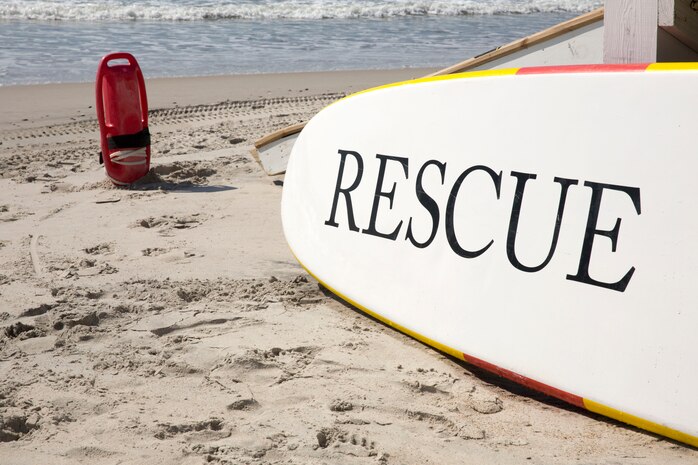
680,19
630,31
274,156
579,47
521,44
276,135
500,52
665,12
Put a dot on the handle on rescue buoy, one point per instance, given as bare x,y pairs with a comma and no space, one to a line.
103,64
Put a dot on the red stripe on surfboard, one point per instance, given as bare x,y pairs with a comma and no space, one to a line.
582,69
527,382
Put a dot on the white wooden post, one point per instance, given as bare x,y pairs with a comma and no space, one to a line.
630,31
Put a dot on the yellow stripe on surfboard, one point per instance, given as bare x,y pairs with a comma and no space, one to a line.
641,423
673,67
447,77
509,72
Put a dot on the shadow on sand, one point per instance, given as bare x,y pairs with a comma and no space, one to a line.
153,181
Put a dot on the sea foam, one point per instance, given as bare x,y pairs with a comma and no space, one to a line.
197,10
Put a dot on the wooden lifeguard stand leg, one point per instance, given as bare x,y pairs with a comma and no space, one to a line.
646,31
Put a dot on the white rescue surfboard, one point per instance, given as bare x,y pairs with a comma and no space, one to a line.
536,222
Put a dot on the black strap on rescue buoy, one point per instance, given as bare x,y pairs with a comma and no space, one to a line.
129,141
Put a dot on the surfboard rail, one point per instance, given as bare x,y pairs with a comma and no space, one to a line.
503,51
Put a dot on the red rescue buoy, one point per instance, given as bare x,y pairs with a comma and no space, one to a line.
122,112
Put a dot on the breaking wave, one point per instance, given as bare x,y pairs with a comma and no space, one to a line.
199,10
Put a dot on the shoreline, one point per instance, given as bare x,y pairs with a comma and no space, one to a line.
32,105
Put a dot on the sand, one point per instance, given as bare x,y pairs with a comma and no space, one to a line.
169,323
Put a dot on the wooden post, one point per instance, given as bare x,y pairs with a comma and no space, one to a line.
630,31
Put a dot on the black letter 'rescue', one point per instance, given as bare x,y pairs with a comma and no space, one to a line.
427,202
450,207
516,212
582,275
371,230
338,189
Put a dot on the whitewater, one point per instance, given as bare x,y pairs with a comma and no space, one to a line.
62,40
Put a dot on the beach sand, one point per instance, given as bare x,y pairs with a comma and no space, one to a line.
169,323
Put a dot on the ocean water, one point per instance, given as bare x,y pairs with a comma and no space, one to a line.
63,40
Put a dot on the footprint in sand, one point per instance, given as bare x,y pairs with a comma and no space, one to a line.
13,427
211,429
167,222
100,249
276,365
244,405
195,172
347,444
84,267
154,251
